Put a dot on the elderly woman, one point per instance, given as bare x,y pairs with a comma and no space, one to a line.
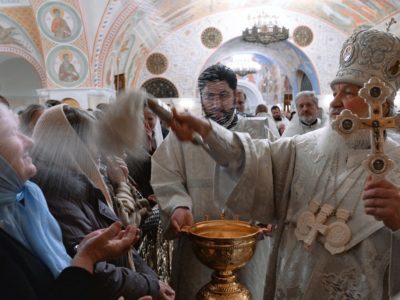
34,263
68,172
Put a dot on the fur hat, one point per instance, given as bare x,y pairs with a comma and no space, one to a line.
370,53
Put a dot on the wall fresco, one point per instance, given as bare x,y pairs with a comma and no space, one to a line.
59,22
67,66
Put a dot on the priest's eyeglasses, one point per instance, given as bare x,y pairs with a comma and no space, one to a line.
221,96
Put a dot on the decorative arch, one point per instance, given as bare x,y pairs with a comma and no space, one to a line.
253,94
16,51
104,42
284,56
304,83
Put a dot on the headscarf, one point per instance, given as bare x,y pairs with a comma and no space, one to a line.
25,216
59,147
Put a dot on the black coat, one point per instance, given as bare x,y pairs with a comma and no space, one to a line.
80,208
23,276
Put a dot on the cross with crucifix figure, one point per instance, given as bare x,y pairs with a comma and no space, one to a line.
374,93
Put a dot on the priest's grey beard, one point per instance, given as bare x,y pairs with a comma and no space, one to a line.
308,119
331,141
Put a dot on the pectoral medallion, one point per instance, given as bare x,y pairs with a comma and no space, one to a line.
338,233
309,225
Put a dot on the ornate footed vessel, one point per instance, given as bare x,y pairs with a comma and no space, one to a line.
224,246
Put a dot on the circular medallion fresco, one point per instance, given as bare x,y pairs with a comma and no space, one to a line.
160,88
67,66
157,63
59,22
303,36
211,37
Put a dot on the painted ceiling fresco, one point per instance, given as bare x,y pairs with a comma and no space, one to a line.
118,35
346,15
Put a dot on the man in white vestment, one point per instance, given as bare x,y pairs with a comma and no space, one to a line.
183,181
306,119
281,121
241,100
337,235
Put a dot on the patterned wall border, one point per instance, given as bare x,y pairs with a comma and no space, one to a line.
29,58
104,42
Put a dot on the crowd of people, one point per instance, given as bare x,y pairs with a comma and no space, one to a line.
306,117
65,203
73,217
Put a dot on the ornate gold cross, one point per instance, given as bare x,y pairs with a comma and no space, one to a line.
374,93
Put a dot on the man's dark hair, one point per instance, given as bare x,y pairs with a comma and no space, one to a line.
217,72
275,107
52,102
4,101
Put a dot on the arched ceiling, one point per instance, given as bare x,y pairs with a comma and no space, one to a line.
124,32
167,16
155,20
345,15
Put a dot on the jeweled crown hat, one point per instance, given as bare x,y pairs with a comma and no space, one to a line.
370,53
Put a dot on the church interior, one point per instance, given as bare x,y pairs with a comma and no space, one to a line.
163,46
148,146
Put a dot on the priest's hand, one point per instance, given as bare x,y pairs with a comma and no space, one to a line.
382,200
181,217
185,124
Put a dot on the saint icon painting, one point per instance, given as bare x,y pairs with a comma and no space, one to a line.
67,66
59,22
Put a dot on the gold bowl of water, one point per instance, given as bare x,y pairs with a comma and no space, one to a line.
224,246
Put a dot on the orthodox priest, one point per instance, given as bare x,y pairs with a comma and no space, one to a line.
183,181
306,119
315,183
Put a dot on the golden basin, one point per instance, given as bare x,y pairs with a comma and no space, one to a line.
224,246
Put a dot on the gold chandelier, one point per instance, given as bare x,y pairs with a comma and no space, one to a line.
265,31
